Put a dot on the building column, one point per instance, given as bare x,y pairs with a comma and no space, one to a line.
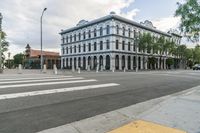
141,63
82,62
131,62
98,64
86,64
120,62
158,63
77,63
145,63
164,63
161,63
72,64
126,62
112,62
62,63
104,62
92,62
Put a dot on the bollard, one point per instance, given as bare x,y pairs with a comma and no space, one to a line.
113,70
88,68
101,68
20,69
124,69
44,68
79,70
97,69
55,69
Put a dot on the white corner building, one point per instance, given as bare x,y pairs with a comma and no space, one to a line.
109,43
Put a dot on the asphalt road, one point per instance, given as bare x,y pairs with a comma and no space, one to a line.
32,113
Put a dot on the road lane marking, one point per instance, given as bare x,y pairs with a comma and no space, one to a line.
39,80
52,91
47,83
17,79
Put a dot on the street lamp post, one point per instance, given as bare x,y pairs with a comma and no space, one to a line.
41,52
1,70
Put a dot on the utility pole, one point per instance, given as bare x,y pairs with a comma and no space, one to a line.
1,70
41,54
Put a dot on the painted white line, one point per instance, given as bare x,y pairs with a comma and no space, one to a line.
17,79
46,83
44,92
40,80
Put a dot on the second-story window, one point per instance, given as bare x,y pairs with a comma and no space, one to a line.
67,39
75,49
84,47
63,39
117,44
89,34
107,29
101,31
123,31
129,46
70,38
66,50
74,37
117,28
84,35
129,32
71,49
89,47
79,36
95,46
95,32
101,45
123,45
107,44
79,48
63,50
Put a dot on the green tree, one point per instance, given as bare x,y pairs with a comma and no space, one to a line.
18,59
190,19
4,45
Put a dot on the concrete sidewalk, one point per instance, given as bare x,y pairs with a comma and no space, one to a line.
180,111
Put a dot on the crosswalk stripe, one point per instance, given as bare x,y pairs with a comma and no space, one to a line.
43,92
46,83
17,79
40,80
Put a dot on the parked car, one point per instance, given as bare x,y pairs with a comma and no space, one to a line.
196,67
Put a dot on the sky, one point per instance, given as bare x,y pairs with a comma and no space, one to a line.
21,18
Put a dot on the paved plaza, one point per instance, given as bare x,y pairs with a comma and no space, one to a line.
33,101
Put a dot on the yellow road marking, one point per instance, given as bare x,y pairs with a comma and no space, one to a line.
145,127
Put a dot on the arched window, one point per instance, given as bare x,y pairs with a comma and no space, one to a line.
84,47
70,38
89,47
129,32
101,45
66,50
79,48
84,35
101,31
107,29
79,36
89,34
123,45
107,44
123,32
95,46
117,28
129,46
75,49
117,44
95,32
74,37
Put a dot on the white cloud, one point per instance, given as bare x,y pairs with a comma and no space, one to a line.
22,19
165,24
